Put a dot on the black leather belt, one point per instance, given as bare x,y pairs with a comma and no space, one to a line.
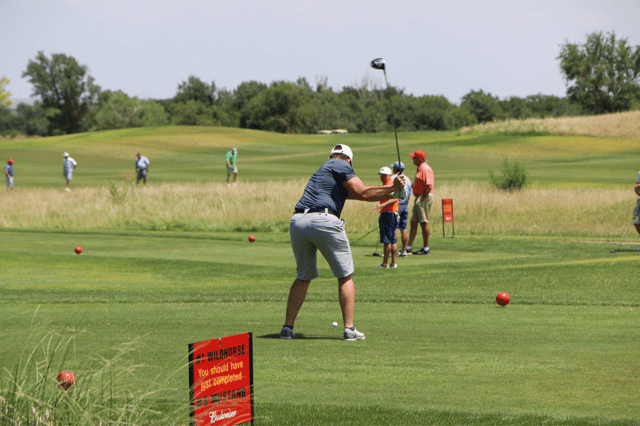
327,211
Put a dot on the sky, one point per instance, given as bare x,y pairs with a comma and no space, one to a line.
146,48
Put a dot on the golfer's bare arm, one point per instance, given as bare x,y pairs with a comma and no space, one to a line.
358,190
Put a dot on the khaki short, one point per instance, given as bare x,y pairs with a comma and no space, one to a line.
421,209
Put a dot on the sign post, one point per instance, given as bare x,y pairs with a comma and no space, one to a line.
221,381
447,216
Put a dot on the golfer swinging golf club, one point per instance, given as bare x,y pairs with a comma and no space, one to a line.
316,225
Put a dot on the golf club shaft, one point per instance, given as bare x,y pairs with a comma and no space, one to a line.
393,116
625,235
364,235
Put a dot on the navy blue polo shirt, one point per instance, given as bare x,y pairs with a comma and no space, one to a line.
326,189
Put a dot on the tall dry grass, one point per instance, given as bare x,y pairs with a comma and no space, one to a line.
624,125
479,209
107,391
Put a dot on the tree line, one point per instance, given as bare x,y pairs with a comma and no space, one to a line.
602,75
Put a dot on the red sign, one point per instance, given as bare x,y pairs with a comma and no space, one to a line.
221,380
447,210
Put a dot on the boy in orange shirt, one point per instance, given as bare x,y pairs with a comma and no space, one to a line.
388,222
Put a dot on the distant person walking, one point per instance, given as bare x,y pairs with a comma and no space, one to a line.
142,168
388,222
316,226
8,172
69,165
232,167
423,186
403,208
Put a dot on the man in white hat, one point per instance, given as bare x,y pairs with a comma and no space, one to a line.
69,165
316,225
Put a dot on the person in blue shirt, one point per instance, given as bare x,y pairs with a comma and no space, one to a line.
316,226
8,172
403,208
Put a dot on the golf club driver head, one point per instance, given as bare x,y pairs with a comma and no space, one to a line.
378,64
375,253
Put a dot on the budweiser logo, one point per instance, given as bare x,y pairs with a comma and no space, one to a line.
222,416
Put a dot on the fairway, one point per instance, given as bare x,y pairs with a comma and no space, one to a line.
565,347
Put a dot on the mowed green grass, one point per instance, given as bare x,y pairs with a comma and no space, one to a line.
439,350
180,154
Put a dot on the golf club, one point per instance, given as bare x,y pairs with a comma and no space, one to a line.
617,249
379,64
364,235
375,253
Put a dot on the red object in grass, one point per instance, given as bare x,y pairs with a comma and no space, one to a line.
252,238
78,250
66,379
503,298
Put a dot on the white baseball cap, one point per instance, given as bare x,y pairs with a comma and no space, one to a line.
385,171
342,149
66,154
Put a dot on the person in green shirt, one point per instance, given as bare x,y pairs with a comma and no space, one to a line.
232,157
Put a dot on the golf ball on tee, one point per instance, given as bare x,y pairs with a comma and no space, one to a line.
335,324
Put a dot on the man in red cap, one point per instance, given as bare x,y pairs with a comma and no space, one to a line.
423,186
8,172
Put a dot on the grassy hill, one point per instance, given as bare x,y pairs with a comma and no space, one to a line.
189,154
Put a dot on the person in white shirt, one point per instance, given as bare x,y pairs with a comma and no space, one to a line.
69,165
142,167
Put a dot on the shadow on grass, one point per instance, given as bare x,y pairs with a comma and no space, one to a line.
300,336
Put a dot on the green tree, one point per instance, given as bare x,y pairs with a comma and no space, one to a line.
603,74
243,94
119,111
284,108
150,113
4,95
516,107
552,106
332,112
196,90
483,105
33,119
64,86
